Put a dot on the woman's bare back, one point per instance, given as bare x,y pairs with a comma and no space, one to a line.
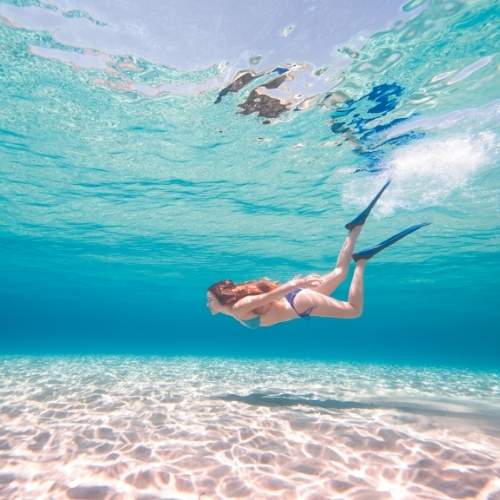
277,311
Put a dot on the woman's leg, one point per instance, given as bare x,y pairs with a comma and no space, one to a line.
335,277
332,308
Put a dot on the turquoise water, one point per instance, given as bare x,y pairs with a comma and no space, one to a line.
122,201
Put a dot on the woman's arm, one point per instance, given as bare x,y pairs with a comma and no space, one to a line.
250,302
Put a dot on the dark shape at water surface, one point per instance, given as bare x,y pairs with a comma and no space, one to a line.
264,105
244,77
237,84
355,114
258,101
358,121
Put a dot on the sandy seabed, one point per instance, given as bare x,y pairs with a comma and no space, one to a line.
113,427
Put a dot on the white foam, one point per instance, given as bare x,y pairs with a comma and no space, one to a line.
425,173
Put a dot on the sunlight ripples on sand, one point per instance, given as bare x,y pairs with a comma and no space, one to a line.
123,427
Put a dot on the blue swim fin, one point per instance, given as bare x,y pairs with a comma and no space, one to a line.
370,252
360,219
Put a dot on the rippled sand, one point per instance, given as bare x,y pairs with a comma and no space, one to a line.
131,427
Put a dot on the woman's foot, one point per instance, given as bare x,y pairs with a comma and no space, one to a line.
361,218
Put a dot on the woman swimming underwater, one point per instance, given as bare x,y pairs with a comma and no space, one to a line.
264,302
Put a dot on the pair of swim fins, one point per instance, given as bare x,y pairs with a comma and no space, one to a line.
361,218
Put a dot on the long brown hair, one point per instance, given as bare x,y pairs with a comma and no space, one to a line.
228,293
